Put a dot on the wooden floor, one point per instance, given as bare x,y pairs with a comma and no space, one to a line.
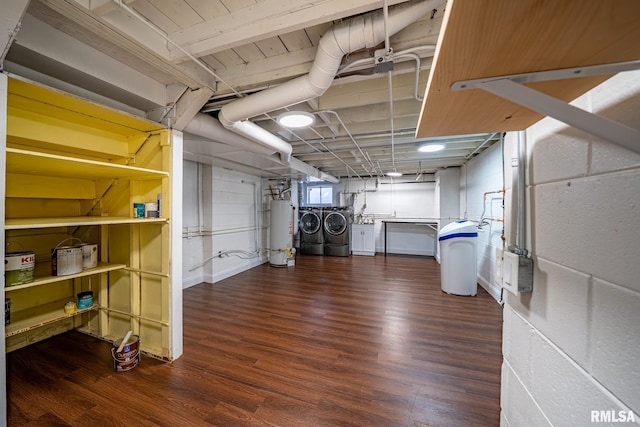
359,341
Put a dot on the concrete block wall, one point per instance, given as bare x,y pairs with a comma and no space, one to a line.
231,219
571,346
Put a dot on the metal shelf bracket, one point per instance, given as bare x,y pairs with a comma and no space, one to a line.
512,89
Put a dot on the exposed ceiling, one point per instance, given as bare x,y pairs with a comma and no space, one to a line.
173,60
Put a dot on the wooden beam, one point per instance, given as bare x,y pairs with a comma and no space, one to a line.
188,106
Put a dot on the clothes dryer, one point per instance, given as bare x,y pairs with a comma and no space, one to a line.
311,232
337,231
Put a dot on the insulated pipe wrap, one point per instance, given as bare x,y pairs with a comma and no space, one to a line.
357,33
207,127
263,137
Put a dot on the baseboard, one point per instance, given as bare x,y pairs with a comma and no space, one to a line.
221,275
494,290
191,281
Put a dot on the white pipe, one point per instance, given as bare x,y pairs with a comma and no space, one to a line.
385,12
207,127
210,128
517,237
521,241
479,147
393,146
357,33
407,53
261,136
303,167
416,58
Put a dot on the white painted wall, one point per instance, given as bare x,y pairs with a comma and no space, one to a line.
571,346
410,201
227,217
448,182
447,199
480,175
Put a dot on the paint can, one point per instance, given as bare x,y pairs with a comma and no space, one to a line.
66,260
85,300
19,268
138,210
151,210
7,311
70,307
89,256
129,357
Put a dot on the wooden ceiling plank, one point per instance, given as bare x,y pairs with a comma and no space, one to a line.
208,9
153,14
265,19
179,12
296,40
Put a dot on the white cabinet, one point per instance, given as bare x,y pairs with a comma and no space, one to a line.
363,240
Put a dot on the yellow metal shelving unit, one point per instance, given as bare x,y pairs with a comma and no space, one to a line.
73,171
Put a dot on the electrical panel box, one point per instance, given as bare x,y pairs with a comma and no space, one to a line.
510,272
516,272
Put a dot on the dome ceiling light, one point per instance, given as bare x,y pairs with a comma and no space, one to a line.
296,119
431,147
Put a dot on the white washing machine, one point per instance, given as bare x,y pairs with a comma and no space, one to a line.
337,231
311,232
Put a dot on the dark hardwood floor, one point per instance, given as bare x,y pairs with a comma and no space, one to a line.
359,341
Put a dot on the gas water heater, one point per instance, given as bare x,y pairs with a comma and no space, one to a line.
281,251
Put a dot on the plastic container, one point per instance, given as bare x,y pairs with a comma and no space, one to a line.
85,300
458,258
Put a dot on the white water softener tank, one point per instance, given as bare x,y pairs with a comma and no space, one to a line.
458,268
281,233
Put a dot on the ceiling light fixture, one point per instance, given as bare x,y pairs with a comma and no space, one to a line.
394,174
296,119
431,147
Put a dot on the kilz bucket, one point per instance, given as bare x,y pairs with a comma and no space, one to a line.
19,268
129,357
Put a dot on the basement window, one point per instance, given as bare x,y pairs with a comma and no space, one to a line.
314,192
319,195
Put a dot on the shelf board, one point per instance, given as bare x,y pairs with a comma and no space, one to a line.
102,267
56,103
37,163
29,223
494,38
32,318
